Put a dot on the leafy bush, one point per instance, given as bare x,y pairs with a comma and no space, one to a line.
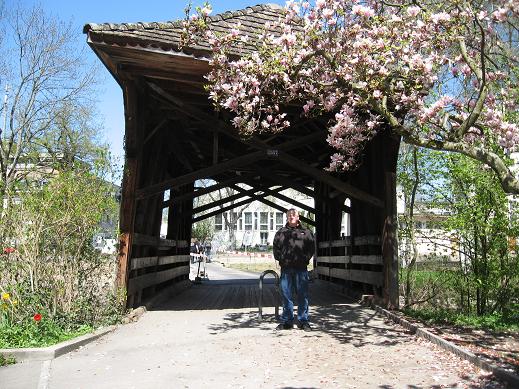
494,322
49,265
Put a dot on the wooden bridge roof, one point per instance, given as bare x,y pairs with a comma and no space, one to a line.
165,36
202,143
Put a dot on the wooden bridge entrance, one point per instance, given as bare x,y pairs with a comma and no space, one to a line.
173,137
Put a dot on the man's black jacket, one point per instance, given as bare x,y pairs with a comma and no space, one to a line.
293,247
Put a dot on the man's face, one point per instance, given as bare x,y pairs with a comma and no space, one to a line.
292,218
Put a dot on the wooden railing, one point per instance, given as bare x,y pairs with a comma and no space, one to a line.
356,259
151,271
145,240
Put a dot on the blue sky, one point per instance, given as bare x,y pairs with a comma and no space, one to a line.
119,11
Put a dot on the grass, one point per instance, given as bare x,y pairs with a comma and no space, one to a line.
258,267
45,333
493,322
253,267
4,361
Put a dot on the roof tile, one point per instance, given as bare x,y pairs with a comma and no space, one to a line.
166,35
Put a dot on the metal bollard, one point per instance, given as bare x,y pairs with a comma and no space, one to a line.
260,300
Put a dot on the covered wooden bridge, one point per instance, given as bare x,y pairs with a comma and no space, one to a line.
173,137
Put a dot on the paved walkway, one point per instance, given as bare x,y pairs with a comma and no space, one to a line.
350,347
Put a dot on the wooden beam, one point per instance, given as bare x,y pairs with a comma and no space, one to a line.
154,131
229,130
206,172
202,191
179,152
242,193
390,244
280,196
284,181
276,206
129,183
215,148
320,175
222,210
283,209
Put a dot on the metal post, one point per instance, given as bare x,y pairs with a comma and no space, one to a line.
260,300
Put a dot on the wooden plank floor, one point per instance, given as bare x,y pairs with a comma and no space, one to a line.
216,295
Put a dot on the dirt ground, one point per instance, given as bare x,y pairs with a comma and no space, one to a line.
498,348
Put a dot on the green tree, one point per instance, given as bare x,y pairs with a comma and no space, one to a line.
203,230
487,232
419,172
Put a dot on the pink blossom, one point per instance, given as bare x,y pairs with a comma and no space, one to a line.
396,57
206,11
440,17
413,11
328,13
500,14
362,11
308,106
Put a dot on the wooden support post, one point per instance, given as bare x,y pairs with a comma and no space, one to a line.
129,186
122,265
390,244
215,148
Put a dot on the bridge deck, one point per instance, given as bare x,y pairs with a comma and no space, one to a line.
225,289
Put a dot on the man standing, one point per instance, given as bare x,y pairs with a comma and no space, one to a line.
293,247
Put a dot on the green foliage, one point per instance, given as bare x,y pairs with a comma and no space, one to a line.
6,360
494,322
480,228
203,230
487,232
30,333
51,267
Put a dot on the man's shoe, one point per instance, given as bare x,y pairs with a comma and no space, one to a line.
304,326
284,326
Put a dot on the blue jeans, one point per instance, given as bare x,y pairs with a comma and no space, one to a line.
298,279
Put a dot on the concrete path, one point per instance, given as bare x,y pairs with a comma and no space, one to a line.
350,347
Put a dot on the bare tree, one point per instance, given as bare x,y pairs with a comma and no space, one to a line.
45,77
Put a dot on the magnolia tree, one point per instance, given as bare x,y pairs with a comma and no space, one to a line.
442,76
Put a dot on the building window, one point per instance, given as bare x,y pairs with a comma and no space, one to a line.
279,220
218,222
264,221
248,221
271,221
255,221
264,237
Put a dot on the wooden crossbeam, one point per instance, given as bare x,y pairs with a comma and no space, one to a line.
154,131
319,175
241,193
284,210
278,150
277,206
201,173
280,196
284,181
222,210
204,191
